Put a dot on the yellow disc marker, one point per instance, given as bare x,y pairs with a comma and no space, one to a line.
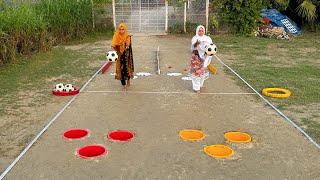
212,69
276,92
191,135
218,151
238,137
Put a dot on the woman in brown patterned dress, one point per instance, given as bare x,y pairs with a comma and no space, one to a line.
121,42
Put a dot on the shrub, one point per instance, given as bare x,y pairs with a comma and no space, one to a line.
25,29
67,19
242,16
176,28
21,31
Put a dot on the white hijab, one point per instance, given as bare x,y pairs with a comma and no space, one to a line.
204,40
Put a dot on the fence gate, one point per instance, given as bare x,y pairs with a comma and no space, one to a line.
141,15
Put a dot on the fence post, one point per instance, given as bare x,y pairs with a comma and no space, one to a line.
140,15
185,17
114,14
207,15
166,23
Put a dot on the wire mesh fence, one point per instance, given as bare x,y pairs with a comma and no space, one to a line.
103,16
151,15
196,11
141,15
184,16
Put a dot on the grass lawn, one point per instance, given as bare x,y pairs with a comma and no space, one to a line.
293,64
40,72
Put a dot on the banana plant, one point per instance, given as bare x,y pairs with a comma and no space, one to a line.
306,9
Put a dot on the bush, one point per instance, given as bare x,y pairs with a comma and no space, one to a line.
213,24
176,28
191,27
67,19
21,31
25,29
242,16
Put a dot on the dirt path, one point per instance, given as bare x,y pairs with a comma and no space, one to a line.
278,151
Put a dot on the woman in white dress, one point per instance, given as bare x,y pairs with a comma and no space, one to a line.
198,43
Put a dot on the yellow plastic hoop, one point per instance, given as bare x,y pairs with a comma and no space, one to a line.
270,92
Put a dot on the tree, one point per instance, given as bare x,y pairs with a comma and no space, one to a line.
308,10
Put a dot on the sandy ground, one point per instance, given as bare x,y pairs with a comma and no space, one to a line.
156,113
20,125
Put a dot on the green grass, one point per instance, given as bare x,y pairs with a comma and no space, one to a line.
29,28
312,127
293,64
92,37
40,72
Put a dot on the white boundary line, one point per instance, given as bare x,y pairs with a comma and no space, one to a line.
270,104
47,126
168,92
158,60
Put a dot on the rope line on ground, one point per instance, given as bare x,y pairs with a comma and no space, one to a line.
170,92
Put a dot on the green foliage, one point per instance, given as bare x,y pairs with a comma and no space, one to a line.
191,27
26,29
176,28
67,18
213,23
102,1
176,2
242,15
281,5
317,28
22,31
308,10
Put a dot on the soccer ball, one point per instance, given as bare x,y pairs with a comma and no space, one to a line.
112,56
211,49
69,87
59,87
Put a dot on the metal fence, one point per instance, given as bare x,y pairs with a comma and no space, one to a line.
196,11
160,15
141,15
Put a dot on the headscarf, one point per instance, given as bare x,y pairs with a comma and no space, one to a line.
198,28
121,40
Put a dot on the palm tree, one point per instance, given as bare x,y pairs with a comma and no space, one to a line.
306,9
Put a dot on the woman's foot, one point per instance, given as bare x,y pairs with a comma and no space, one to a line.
124,88
128,83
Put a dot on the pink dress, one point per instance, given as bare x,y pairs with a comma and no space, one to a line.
196,66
